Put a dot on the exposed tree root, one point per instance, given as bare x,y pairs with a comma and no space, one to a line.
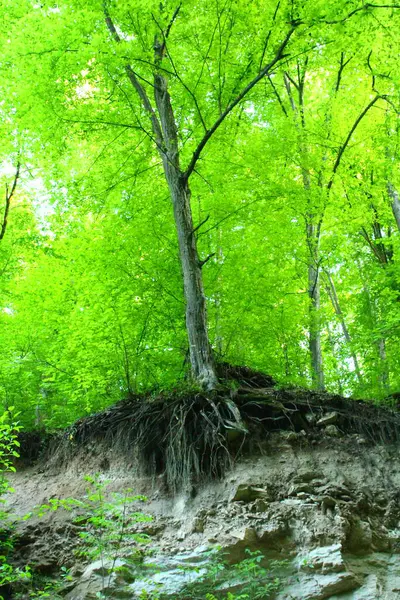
194,435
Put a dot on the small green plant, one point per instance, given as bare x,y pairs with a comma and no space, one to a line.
108,527
107,520
258,582
248,579
38,586
9,445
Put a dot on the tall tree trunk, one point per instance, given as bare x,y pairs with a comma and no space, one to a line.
165,136
331,290
218,301
200,352
201,357
395,202
384,373
314,294
312,236
336,364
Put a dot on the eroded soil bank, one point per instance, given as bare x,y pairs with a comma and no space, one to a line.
311,480
329,506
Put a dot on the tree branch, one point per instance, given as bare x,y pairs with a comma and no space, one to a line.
359,9
86,122
278,96
343,64
203,262
200,225
289,93
268,36
265,71
168,30
347,140
372,245
189,91
136,84
296,85
9,195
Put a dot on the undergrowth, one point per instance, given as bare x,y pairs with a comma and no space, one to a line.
108,538
248,579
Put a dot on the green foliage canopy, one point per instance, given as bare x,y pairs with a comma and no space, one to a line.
92,298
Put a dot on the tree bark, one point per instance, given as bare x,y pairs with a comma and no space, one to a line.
384,373
166,138
200,352
312,237
314,294
9,195
336,364
331,289
201,356
395,203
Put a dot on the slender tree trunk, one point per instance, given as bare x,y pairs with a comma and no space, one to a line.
336,364
201,356
314,294
395,202
218,302
165,134
384,374
312,238
331,289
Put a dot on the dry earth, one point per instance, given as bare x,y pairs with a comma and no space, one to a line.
329,506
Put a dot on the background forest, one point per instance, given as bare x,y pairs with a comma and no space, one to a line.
280,122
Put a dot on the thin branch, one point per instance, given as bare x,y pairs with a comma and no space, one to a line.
235,212
301,79
9,195
278,96
107,145
359,9
151,64
168,30
200,225
97,122
205,180
239,79
289,93
136,84
343,64
296,85
373,246
347,140
206,56
189,91
265,71
52,365
371,70
268,36
205,261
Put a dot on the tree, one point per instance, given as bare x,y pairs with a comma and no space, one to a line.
8,197
166,136
243,118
